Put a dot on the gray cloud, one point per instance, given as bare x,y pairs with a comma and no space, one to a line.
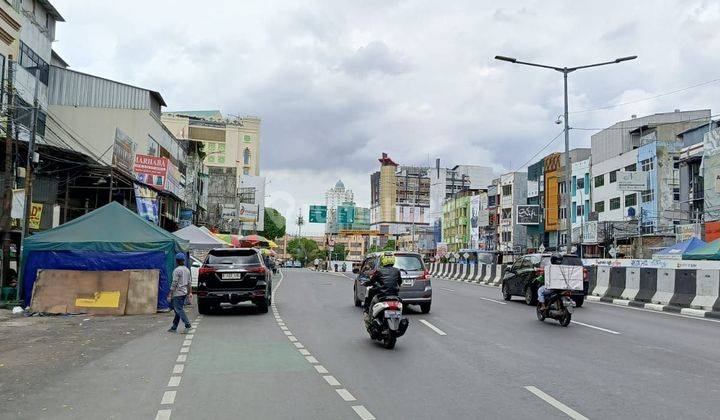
374,58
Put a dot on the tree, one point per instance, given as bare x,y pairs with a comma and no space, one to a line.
390,245
339,252
274,224
374,248
303,249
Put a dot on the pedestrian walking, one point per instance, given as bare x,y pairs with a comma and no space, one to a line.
180,289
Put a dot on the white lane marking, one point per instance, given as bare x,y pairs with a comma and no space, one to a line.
555,403
182,358
304,352
168,397
449,290
594,302
174,381
288,332
277,286
298,345
597,328
191,331
178,368
311,359
163,415
189,337
432,327
187,342
320,369
184,349
284,328
492,300
331,380
292,338
282,324
278,319
362,412
345,394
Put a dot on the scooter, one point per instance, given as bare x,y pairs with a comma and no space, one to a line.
385,322
559,306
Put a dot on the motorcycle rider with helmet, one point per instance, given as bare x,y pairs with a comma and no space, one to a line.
386,281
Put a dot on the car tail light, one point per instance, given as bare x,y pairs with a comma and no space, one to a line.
585,274
540,271
260,269
206,270
425,275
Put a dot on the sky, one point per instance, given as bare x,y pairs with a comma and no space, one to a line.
338,82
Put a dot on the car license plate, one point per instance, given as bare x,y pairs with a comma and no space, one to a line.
232,276
408,282
393,314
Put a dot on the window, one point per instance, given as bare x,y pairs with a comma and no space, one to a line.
25,116
561,187
615,203
631,168
580,184
676,193
647,164
246,157
247,195
562,213
30,60
579,211
647,196
600,207
246,171
506,189
506,236
613,176
630,200
599,180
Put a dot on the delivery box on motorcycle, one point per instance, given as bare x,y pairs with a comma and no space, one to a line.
564,277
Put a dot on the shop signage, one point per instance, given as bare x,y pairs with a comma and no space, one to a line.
248,213
632,181
123,151
528,214
151,170
146,201
35,215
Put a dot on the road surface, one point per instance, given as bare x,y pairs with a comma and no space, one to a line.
474,356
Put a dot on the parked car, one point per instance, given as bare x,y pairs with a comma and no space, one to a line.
415,289
232,276
195,265
521,279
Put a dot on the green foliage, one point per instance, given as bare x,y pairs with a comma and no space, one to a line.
274,224
389,246
304,250
339,252
374,248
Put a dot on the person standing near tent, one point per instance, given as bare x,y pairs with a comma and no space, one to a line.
180,290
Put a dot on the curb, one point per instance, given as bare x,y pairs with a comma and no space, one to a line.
698,313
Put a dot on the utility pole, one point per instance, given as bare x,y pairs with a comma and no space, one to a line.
8,187
300,222
30,158
640,238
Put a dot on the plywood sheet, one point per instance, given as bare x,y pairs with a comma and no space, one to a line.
142,295
72,291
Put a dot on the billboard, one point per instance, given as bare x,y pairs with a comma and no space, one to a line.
318,214
632,181
248,213
147,205
474,221
687,231
528,214
123,151
151,170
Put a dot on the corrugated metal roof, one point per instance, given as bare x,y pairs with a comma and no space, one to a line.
72,88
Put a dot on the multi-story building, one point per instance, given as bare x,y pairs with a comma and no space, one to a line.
399,198
489,234
231,147
456,221
513,192
335,197
536,196
10,24
690,165
581,199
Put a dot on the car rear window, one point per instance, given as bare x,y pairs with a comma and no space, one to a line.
566,260
232,257
408,262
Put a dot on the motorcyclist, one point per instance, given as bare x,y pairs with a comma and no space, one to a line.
543,292
386,281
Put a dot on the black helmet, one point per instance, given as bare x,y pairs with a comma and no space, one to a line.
556,259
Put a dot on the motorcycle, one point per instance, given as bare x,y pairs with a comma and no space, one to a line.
385,321
559,306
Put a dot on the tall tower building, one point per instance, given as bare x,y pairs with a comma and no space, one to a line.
335,197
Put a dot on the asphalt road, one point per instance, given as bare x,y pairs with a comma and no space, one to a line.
474,356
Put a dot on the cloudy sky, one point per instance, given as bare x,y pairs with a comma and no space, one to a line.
338,82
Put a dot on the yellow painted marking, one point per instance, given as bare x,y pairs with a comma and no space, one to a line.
100,300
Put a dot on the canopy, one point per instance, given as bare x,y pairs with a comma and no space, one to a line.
198,238
710,251
254,240
111,238
677,251
272,244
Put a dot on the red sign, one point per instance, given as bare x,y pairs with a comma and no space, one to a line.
712,231
151,170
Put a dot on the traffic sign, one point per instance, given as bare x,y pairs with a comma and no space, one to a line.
346,215
318,214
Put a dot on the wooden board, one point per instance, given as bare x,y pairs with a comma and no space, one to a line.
71,291
142,294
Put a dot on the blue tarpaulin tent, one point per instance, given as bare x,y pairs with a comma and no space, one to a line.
679,249
110,238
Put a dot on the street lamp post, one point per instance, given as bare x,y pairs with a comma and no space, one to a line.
565,71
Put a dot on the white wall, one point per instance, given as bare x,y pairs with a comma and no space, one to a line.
609,190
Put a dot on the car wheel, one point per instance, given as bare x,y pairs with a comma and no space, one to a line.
357,301
203,307
263,305
506,292
425,307
579,300
529,296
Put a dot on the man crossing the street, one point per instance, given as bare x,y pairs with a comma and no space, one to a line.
180,289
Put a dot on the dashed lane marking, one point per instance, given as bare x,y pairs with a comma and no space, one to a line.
184,349
174,381
345,394
298,345
449,290
292,338
363,412
331,380
432,327
168,397
492,300
178,368
163,415
311,359
288,332
555,403
304,352
187,342
320,369
181,358
594,327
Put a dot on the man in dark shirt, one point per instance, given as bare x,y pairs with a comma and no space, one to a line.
386,281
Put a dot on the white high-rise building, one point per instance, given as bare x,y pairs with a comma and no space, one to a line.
335,197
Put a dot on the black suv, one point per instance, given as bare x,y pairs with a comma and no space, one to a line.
521,279
233,276
415,289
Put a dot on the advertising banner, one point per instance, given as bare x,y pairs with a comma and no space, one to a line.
248,213
632,181
687,231
123,152
173,180
474,221
151,170
35,215
528,214
147,205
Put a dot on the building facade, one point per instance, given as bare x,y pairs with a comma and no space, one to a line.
336,197
513,192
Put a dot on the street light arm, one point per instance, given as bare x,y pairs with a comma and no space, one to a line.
604,63
516,61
